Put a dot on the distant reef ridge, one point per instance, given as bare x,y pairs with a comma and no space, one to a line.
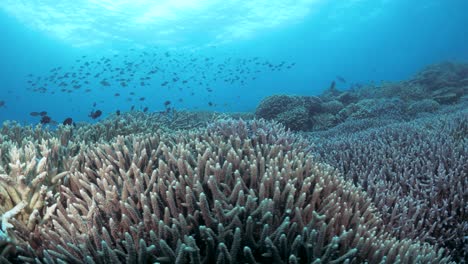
430,90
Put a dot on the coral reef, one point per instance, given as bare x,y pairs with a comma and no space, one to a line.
444,82
274,105
292,111
129,123
423,106
232,192
371,108
415,172
377,175
405,144
29,174
429,90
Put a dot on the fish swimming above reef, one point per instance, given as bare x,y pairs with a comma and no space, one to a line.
105,83
95,114
341,79
151,68
45,119
2,103
68,121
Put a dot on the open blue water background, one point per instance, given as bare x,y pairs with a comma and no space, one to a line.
363,41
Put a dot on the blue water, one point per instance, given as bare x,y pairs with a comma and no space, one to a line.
362,41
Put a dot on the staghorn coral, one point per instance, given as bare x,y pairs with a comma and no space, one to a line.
29,175
425,105
230,194
129,123
295,112
416,174
6,245
444,82
442,75
268,132
138,123
332,107
12,131
5,225
324,121
29,178
437,86
272,106
371,108
296,119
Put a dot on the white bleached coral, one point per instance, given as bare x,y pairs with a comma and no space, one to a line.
7,216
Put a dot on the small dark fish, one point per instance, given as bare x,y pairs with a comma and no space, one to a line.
68,121
116,94
341,79
2,103
210,103
167,103
94,104
34,114
332,86
132,108
95,114
142,98
145,109
43,113
45,120
117,112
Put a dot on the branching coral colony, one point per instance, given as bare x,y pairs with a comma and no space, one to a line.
234,192
4,237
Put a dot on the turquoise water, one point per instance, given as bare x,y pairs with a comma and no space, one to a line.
360,41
